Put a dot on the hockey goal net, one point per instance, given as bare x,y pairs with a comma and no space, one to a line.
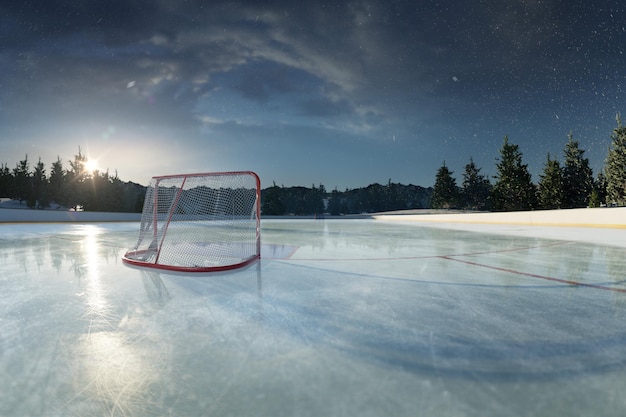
199,222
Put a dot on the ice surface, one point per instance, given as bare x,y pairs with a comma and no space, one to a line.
340,318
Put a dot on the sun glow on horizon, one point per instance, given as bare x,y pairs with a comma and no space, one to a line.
91,165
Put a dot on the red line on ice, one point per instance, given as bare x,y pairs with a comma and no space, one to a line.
528,274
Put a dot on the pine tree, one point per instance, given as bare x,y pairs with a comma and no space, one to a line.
599,190
77,189
577,176
57,182
316,200
393,197
78,166
551,191
272,202
334,203
594,199
445,192
39,197
514,189
22,181
615,166
476,188
6,181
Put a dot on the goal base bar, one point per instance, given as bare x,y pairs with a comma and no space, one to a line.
127,260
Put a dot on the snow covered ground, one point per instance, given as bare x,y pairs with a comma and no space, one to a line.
13,211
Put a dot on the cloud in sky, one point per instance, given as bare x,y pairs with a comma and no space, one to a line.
343,93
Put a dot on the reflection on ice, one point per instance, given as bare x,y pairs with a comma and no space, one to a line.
110,366
113,372
155,289
94,292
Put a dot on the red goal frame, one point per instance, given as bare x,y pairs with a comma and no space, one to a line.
133,257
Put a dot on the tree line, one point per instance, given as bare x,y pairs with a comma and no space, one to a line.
317,201
570,185
78,188
567,185
74,188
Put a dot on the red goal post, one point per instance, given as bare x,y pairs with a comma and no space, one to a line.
200,222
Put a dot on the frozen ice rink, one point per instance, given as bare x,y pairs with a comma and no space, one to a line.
339,318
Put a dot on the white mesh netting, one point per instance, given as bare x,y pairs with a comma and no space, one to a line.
199,222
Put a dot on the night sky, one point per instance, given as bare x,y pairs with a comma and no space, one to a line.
340,93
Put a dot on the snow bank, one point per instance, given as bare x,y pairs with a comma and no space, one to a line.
588,217
12,211
25,215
